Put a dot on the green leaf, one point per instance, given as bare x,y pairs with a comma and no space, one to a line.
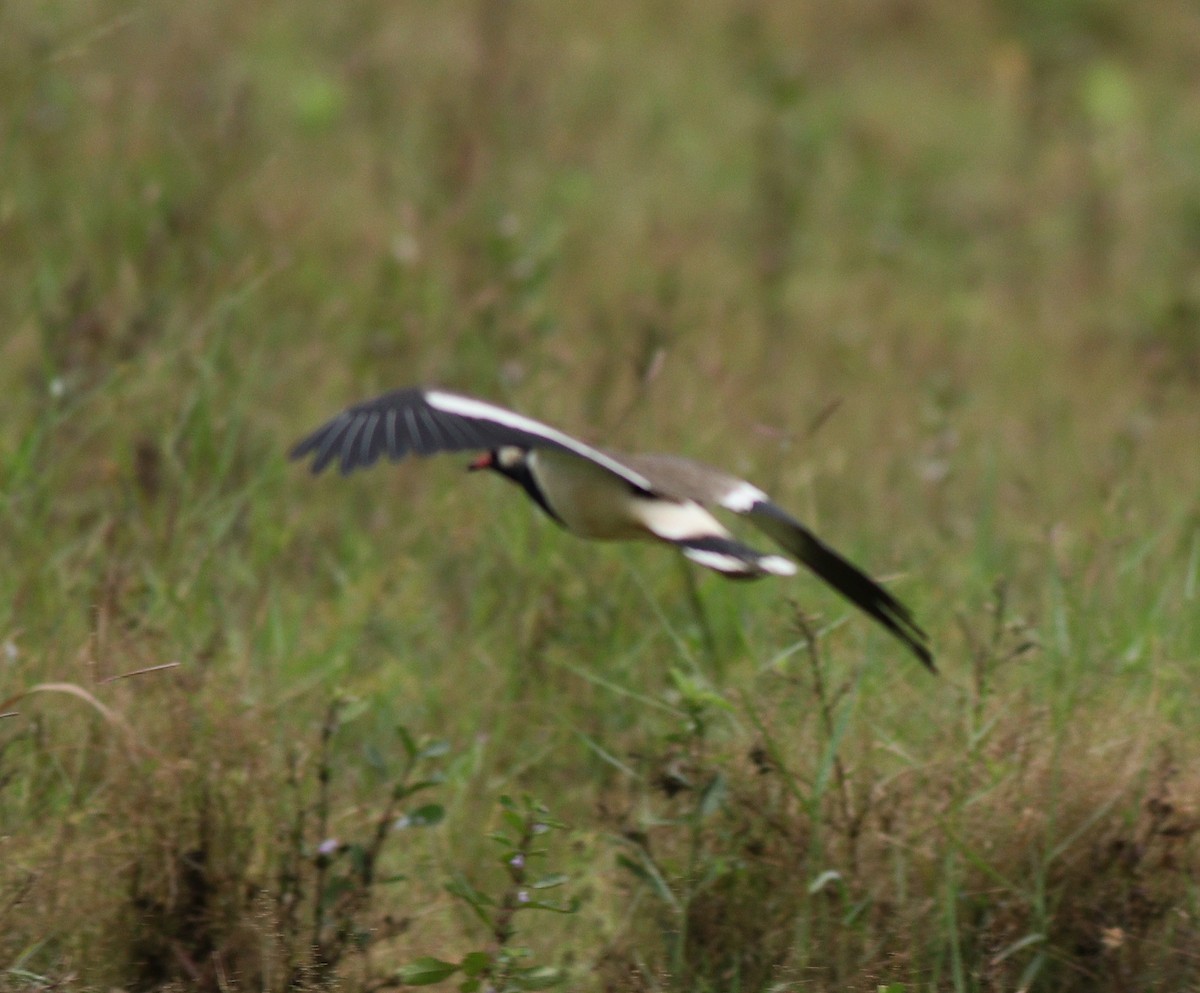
427,816
554,908
459,886
696,695
426,971
550,881
403,790
406,739
478,902
476,963
625,862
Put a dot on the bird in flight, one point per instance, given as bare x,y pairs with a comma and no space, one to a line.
600,494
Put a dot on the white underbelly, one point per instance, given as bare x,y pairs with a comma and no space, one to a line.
593,503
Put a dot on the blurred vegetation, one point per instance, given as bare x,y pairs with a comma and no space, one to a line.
928,271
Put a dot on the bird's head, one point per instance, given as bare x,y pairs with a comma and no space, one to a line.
509,460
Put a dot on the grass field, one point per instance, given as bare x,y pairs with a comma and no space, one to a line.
929,272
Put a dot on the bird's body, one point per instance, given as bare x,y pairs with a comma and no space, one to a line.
592,503
587,499
599,494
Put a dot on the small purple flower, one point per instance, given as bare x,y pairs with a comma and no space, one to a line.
522,896
517,861
329,846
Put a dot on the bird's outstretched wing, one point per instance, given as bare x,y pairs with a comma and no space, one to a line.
683,478
427,421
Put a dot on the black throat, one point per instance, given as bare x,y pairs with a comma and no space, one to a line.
524,478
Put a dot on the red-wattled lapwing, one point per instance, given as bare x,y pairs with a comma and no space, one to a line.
599,494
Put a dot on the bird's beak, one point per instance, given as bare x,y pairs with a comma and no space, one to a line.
485,461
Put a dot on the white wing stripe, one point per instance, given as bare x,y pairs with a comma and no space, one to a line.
778,565
720,562
461,406
742,498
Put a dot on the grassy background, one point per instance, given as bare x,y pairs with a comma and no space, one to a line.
928,271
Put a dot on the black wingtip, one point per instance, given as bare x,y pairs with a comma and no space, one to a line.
845,577
925,655
897,618
331,442
887,610
303,448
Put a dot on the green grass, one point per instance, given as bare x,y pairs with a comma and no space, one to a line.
925,271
